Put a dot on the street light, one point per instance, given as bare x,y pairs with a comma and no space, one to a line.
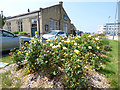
108,24
115,19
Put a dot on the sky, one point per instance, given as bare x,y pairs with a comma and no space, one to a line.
86,15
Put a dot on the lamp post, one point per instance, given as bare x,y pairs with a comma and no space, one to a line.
115,19
108,23
38,23
1,19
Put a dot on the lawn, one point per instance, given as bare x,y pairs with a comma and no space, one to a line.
6,59
111,64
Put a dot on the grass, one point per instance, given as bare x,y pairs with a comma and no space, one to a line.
6,81
6,59
111,64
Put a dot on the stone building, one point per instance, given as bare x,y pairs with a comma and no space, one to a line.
43,20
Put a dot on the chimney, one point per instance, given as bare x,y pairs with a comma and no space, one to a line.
61,3
28,10
40,9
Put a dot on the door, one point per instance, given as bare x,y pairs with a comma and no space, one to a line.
33,26
33,30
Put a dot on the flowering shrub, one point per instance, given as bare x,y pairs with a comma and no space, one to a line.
68,55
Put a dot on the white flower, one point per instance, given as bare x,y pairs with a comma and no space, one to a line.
48,40
54,47
26,54
46,61
58,46
64,48
98,47
75,44
35,41
97,39
62,40
89,47
59,43
51,44
90,36
76,51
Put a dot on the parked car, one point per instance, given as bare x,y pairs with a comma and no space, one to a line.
79,32
10,40
53,34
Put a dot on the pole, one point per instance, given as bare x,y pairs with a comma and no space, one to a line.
115,20
108,25
38,23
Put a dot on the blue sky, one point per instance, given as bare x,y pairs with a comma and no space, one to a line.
85,15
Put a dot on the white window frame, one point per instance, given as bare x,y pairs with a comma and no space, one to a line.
51,24
9,26
20,26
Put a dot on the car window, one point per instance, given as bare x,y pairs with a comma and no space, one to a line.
7,34
52,33
60,32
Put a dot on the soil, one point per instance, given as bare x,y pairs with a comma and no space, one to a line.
44,80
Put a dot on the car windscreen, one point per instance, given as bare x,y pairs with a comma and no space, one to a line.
52,33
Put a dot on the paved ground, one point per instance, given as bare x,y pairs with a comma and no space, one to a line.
115,37
3,54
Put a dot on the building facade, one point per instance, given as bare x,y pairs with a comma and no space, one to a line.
43,21
109,28
72,28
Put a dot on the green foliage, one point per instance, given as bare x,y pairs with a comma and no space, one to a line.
15,32
23,33
3,20
107,47
105,41
111,64
6,81
70,56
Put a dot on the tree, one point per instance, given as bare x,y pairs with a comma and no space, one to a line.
2,21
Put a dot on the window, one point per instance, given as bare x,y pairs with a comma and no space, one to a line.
34,23
9,26
65,27
20,26
7,34
60,32
51,24
56,25
65,17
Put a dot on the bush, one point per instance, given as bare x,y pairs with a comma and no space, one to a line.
71,56
15,32
107,47
23,33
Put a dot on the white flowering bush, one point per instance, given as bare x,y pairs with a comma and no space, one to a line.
69,55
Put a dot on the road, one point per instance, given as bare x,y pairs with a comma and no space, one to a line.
3,54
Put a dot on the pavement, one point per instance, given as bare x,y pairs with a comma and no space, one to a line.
115,37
